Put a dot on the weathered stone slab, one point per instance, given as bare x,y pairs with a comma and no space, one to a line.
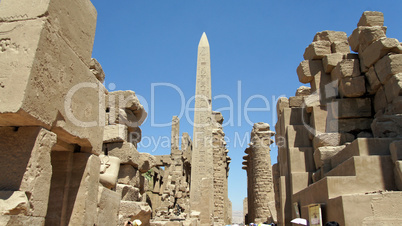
134,210
126,100
350,108
326,139
323,155
373,83
97,70
298,136
318,119
380,100
49,92
12,220
388,65
369,35
396,150
282,103
128,193
108,206
85,202
130,176
28,168
115,133
393,88
308,69
331,36
13,203
355,125
377,50
303,91
317,50
340,47
371,18
352,86
387,126
126,152
296,101
74,21
346,68
109,171
331,60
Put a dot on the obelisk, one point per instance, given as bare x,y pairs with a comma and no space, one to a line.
201,193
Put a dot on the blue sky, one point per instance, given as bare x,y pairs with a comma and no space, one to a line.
151,47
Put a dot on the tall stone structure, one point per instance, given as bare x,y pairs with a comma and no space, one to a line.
340,140
201,194
261,196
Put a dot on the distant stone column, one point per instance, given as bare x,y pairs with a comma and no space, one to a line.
201,194
259,174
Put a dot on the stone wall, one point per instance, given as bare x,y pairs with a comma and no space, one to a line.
260,199
338,140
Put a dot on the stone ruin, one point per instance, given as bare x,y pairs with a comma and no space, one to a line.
340,139
260,199
70,146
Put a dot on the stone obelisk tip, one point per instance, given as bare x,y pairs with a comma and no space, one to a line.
203,40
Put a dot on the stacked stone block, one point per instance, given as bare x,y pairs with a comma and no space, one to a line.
335,144
261,197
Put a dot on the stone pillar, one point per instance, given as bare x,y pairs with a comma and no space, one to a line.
201,194
259,174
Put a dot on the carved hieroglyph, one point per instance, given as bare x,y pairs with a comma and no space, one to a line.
201,195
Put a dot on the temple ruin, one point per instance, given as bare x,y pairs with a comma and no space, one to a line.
69,146
339,139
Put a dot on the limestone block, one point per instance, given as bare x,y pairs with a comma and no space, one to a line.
388,65
28,168
303,91
331,60
300,159
296,101
350,108
115,133
395,107
340,47
323,155
13,203
322,82
331,36
354,125
49,92
377,50
308,69
387,126
298,136
369,35
326,139
146,162
318,120
129,175
134,210
74,21
371,18
317,50
393,88
127,99
13,220
97,70
85,204
109,170
373,83
380,100
396,150
126,152
352,86
353,40
346,68
398,174
282,103
108,206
